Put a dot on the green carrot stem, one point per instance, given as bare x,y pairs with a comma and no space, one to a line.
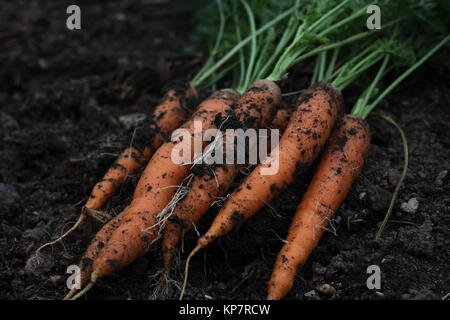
241,44
251,19
194,81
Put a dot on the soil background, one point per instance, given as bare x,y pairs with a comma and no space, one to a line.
68,103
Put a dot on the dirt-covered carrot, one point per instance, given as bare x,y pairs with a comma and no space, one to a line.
166,117
340,165
210,184
128,239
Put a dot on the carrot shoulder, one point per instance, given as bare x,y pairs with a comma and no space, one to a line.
340,165
308,130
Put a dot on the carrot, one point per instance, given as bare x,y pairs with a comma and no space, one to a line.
166,117
340,165
154,190
206,189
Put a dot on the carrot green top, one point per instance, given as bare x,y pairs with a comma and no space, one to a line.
265,43
263,39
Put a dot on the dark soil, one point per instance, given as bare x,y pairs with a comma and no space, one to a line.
67,103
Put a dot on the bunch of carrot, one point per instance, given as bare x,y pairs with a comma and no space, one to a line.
311,125
171,198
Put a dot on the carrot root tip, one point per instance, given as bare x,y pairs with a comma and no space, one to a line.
85,289
70,294
186,269
161,289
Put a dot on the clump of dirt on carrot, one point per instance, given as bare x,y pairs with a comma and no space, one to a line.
136,228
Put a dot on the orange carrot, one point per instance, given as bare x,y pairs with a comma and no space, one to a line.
207,188
166,117
339,167
153,192
306,133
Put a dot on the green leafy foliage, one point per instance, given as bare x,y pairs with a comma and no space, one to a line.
253,51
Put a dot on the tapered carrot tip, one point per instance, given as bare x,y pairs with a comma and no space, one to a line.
279,287
271,86
70,294
86,288
80,220
186,268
